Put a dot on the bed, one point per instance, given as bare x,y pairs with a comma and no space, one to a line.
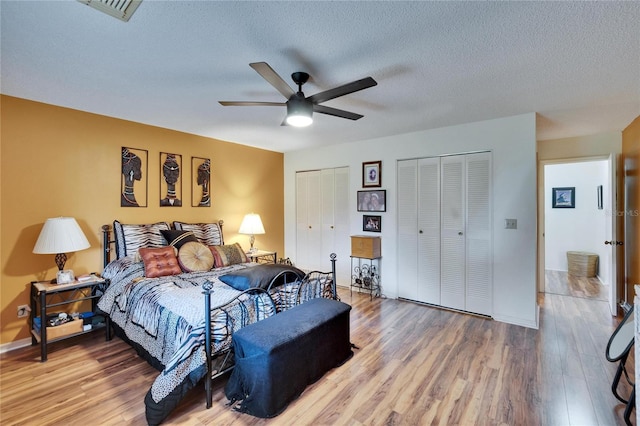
179,313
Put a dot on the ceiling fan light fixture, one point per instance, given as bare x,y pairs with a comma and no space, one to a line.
299,111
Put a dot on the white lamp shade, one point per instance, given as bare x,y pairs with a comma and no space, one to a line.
251,225
60,235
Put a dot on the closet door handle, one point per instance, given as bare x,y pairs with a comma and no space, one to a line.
460,233
420,231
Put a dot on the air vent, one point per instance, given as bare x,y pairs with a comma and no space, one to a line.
121,9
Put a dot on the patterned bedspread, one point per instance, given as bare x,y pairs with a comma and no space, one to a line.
165,316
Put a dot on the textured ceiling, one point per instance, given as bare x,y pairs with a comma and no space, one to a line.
577,64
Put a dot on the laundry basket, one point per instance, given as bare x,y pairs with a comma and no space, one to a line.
582,264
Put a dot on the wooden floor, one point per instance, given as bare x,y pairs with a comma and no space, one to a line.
416,365
560,282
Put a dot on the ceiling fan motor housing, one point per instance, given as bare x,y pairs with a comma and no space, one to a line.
299,106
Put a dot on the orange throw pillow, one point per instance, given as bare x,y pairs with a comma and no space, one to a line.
159,262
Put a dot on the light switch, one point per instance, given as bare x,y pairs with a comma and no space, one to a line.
511,224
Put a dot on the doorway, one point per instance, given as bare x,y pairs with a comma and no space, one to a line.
581,224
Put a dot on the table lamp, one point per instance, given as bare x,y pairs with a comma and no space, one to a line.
251,225
61,235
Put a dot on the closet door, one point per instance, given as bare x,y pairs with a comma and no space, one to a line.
335,221
428,230
327,185
308,219
479,293
341,240
453,260
407,184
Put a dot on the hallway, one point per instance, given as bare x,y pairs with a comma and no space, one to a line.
560,282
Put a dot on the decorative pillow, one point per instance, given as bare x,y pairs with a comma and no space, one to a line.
137,258
195,256
177,238
208,233
159,262
260,276
129,238
229,254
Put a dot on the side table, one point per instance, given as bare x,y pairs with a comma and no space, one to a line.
45,295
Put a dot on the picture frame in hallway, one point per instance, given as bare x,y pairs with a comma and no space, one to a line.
563,198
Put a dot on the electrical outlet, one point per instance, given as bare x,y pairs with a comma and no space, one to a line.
23,311
511,224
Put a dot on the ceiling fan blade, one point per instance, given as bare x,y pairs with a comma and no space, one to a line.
354,86
336,112
273,78
242,103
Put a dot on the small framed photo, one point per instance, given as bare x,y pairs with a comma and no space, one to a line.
372,174
372,201
563,198
372,223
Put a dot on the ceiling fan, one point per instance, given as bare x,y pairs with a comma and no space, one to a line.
300,108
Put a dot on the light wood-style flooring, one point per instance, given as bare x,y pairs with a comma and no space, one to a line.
560,282
416,365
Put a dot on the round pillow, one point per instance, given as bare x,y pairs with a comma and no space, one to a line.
195,257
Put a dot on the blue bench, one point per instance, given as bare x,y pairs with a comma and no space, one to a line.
276,358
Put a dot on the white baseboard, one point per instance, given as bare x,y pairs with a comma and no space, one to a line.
11,346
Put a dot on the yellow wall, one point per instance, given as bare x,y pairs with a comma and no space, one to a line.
62,162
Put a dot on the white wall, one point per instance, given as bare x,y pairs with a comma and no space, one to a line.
582,228
511,140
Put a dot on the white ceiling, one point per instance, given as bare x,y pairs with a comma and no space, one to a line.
577,64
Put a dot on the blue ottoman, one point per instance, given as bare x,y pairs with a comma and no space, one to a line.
276,358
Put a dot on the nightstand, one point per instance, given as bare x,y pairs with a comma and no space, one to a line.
263,256
45,295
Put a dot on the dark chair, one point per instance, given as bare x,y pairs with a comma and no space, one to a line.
618,348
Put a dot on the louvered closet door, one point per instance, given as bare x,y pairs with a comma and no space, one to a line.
479,293
452,263
335,221
327,184
429,230
308,223
407,183
341,240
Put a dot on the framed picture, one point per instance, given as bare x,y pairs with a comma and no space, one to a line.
599,191
372,223
170,180
372,174
564,198
372,201
133,182
201,181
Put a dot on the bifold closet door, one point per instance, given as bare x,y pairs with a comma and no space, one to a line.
419,229
466,281
429,246
479,289
407,199
335,221
308,219
452,231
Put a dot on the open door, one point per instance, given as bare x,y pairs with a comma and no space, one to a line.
611,236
